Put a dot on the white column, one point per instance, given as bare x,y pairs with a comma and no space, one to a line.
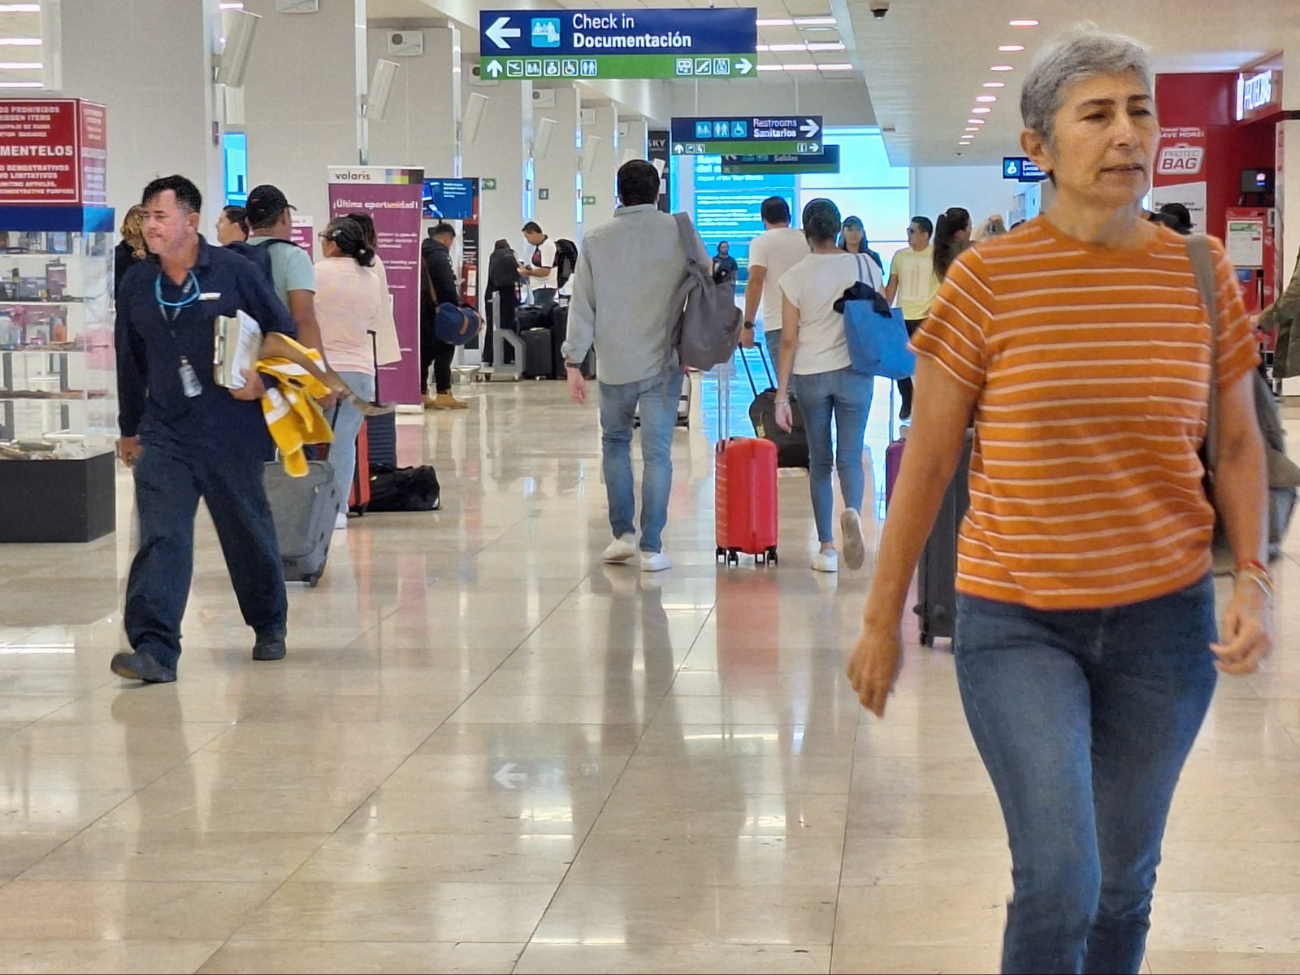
498,148
301,99
422,125
600,149
559,167
161,117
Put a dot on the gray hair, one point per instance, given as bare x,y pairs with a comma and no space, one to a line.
1074,56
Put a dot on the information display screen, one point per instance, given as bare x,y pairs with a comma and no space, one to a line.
449,199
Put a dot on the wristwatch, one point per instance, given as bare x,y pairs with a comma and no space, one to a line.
749,326
572,365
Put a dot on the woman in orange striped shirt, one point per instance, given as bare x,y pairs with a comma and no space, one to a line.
1086,641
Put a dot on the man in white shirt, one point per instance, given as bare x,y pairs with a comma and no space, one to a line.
913,282
771,254
538,264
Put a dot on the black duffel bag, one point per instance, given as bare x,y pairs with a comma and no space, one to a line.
404,489
792,447
533,316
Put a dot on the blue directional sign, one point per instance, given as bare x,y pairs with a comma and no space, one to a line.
637,43
753,135
1020,168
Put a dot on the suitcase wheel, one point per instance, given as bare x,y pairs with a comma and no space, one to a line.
771,555
721,553
927,640
312,581
733,556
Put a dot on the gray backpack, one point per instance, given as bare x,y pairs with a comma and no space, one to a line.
705,320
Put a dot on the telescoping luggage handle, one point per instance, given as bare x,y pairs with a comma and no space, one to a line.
374,352
766,368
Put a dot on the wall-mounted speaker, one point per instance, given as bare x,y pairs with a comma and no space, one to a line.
381,89
232,63
542,143
473,116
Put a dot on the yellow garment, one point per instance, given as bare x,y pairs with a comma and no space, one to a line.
292,414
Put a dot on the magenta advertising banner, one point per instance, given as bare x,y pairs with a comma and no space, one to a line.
393,198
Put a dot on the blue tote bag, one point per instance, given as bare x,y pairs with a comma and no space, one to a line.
877,343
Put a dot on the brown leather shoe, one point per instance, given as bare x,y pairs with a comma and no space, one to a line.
446,401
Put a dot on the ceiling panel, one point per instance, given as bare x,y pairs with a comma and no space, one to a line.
928,59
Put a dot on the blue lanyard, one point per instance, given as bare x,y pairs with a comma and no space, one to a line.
189,296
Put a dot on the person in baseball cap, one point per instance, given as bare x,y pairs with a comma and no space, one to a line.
266,205
270,214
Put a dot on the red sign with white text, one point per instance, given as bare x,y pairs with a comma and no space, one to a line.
53,150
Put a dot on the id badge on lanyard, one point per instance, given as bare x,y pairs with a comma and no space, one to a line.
171,311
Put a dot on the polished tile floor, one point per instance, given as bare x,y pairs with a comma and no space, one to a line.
488,752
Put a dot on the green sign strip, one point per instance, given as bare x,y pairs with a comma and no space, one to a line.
724,66
752,169
735,147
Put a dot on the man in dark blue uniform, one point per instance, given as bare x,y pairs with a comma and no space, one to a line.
187,438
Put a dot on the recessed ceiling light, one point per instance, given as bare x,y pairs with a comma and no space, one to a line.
980,111
834,67
20,8
20,42
776,23
1011,48
1024,23
995,84
975,121
986,98
782,47
1002,67
971,129
815,21
21,65
22,84
814,46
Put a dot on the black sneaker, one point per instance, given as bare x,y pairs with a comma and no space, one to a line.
141,666
269,646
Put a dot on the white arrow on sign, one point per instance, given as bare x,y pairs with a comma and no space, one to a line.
508,778
809,128
494,69
744,66
500,31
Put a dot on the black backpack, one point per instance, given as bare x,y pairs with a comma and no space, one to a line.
259,255
566,261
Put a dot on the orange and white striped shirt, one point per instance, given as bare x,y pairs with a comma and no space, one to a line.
1093,369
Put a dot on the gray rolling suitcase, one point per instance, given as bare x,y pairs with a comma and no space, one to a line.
936,583
304,509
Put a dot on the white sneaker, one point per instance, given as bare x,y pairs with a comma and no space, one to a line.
621,549
655,562
341,521
855,546
826,561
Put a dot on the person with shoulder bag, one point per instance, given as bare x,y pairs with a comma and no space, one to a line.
1086,643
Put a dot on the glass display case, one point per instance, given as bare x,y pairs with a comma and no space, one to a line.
58,402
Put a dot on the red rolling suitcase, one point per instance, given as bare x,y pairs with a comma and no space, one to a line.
745,485
359,496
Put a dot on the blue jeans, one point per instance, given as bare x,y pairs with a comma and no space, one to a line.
1084,719
658,397
847,394
347,424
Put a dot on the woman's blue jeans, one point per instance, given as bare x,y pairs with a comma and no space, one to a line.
1084,719
347,424
845,394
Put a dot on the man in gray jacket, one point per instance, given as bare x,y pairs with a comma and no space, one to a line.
627,274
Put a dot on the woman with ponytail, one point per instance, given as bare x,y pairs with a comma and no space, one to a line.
350,303
951,237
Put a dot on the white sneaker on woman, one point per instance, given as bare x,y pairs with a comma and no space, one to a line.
341,521
826,561
655,562
855,546
621,549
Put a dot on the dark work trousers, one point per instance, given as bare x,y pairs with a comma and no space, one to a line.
169,480
438,354
905,385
